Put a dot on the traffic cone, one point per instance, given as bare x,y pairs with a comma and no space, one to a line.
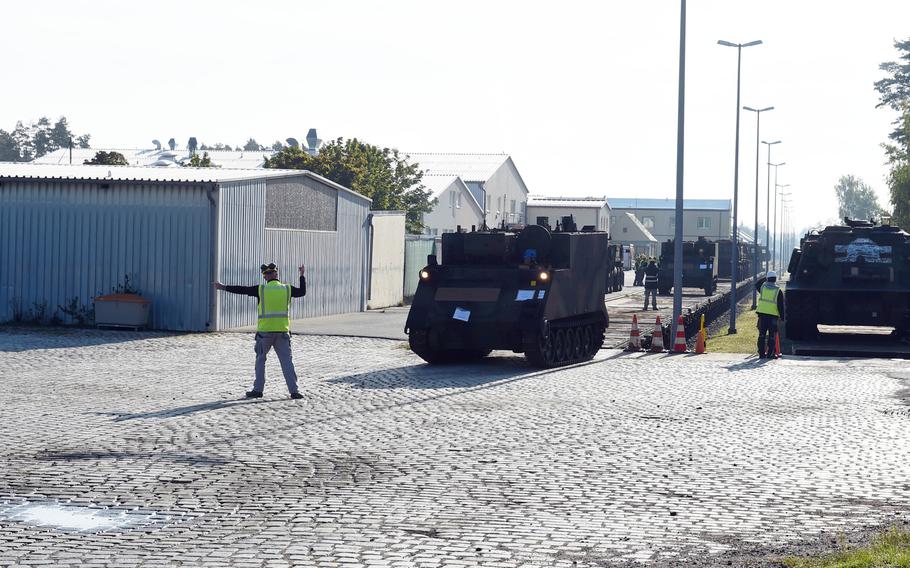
634,336
777,344
657,337
700,342
679,346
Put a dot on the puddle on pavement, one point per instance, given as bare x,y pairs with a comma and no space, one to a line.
77,518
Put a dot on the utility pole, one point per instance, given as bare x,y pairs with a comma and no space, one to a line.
680,139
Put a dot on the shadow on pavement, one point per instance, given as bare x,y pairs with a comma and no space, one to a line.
184,410
193,459
426,376
753,362
488,371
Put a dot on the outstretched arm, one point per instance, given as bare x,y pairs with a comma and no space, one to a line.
245,290
301,291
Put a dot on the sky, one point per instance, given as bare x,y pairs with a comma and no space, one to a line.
582,95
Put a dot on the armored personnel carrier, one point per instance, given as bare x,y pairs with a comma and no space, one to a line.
699,266
725,259
530,291
855,274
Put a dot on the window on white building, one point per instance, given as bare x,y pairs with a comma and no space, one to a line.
703,223
648,222
458,203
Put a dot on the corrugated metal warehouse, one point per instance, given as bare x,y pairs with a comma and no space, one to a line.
76,232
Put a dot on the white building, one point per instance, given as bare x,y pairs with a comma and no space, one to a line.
455,205
709,218
493,181
586,211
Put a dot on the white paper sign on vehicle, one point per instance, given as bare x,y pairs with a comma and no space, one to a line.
524,295
461,314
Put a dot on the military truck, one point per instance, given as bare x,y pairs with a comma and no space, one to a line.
530,291
854,274
699,266
616,276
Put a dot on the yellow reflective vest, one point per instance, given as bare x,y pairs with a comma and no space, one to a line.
767,300
274,306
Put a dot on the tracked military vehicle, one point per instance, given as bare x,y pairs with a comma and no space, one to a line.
699,266
725,259
857,274
530,291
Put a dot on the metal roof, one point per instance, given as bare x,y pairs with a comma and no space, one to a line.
689,204
575,202
469,167
30,170
161,158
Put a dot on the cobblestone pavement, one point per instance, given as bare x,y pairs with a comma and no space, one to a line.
388,462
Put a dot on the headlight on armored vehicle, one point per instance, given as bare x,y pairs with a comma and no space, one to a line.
544,276
424,274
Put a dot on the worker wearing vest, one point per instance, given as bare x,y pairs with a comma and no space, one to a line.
273,327
770,309
651,283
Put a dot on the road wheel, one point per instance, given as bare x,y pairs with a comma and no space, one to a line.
420,344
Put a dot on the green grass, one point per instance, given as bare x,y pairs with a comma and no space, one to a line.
891,549
744,341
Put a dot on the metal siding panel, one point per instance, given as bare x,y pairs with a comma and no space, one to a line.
82,240
334,259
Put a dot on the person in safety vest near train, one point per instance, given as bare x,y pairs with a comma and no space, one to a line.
770,309
273,328
651,282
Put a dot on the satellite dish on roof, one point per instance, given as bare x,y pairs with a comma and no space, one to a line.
157,144
191,145
293,143
172,144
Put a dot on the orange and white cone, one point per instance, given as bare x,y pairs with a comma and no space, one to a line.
679,346
657,337
634,336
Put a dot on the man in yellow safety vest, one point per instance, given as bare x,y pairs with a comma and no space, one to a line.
273,328
770,310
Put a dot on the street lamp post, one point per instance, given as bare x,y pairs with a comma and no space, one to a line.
757,112
768,206
774,220
735,253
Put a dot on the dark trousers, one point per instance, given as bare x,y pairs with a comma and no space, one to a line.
767,326
639,274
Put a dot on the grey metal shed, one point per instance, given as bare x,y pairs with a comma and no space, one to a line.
75,232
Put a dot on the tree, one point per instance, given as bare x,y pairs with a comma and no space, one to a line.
381,174
277,145
252,145
894,90
855,199
196,162
103,158
33,140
